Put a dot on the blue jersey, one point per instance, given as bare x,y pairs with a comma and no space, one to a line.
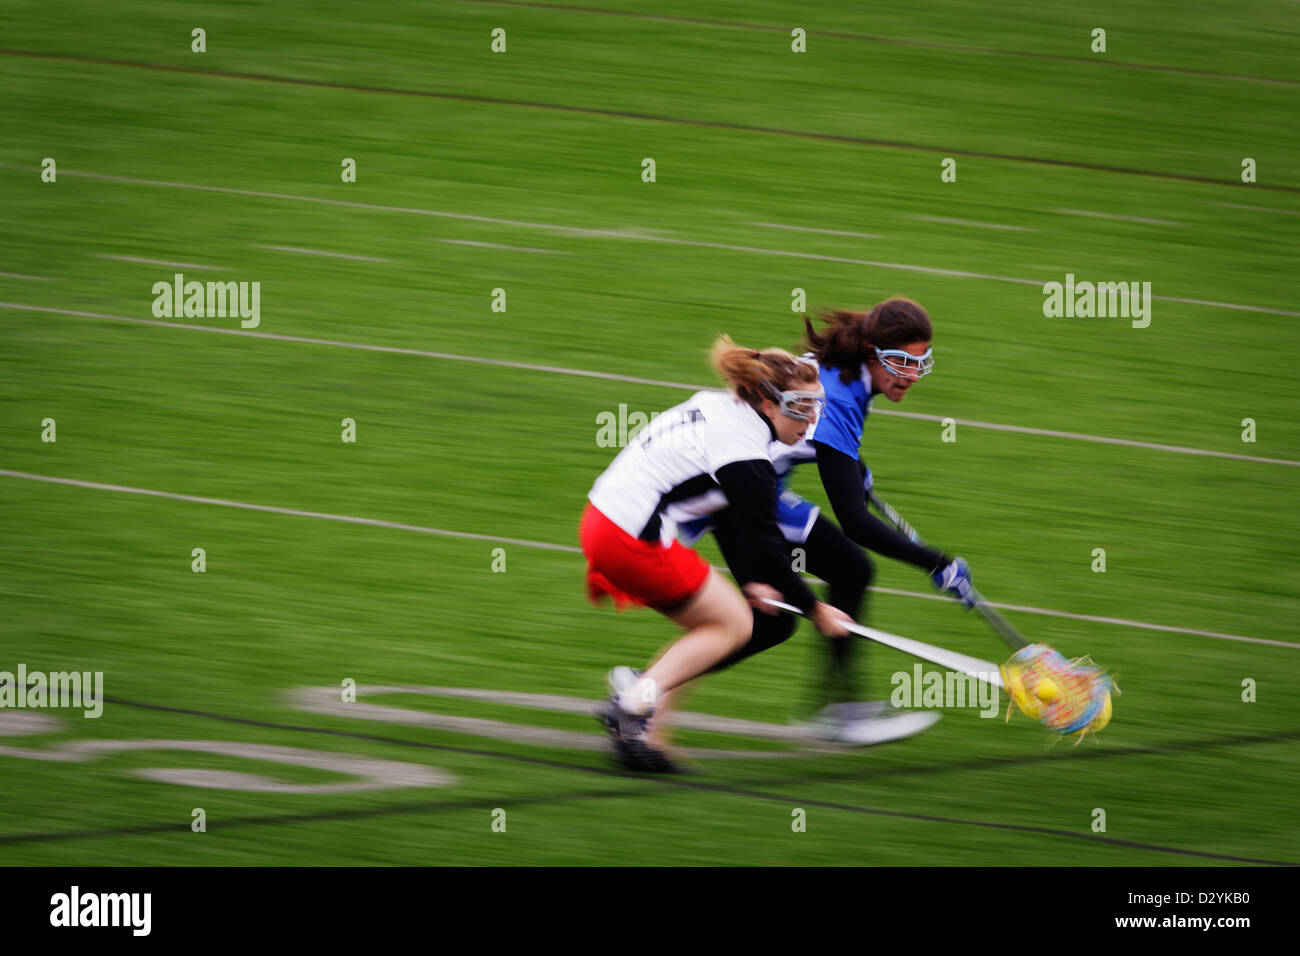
839,426
845,414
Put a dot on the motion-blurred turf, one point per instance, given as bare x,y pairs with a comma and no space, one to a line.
99,580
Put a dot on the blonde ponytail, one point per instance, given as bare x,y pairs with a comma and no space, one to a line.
746,370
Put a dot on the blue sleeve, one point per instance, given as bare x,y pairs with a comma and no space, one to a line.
840,427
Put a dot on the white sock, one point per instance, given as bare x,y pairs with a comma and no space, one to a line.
640,697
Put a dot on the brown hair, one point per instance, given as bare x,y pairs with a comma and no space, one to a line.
745,370
848,338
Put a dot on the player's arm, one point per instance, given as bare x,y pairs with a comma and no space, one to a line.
842,478
759,552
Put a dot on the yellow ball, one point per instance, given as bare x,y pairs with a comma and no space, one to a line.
1047,691
1103,714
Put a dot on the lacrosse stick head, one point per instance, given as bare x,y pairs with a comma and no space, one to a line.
1065,696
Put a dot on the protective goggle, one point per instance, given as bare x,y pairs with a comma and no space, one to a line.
905,364
803,406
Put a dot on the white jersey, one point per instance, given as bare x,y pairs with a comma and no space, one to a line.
667,472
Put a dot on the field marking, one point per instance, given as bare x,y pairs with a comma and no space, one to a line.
159,262
319,252
824,232
612,233
479,100
375,773
1233,205
635,380
1080,436
903,41
846,260
668,781
18,723
861,775
297,513
571,549
1094,619
327,701
972,222
348,203
933,270
23,275
634,237
1108,215
362,346
497,245
320,816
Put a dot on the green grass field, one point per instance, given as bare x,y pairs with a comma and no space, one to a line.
522,171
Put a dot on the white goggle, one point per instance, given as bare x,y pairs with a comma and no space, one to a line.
905,364
803,406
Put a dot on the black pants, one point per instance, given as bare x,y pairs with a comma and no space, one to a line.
830,555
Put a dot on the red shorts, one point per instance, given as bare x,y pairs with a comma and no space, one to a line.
629,570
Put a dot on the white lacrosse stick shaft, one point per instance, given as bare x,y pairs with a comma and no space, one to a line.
980,670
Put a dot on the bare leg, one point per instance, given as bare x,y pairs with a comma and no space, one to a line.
717,622
660,727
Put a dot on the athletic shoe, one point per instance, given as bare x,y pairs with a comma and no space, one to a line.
629,732
869,722
622,678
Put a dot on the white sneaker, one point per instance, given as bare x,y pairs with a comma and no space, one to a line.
869,722
621,678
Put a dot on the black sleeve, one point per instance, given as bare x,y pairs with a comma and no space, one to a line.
759,552
842,478
734,545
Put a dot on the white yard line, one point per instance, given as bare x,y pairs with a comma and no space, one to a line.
497,245
318,252
160,262
971,222
631,237
824,232
633,379
247,506
1078,436
1118,621
898,266
1281,212
362,346
569,549
956,273
1108,215
23,275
